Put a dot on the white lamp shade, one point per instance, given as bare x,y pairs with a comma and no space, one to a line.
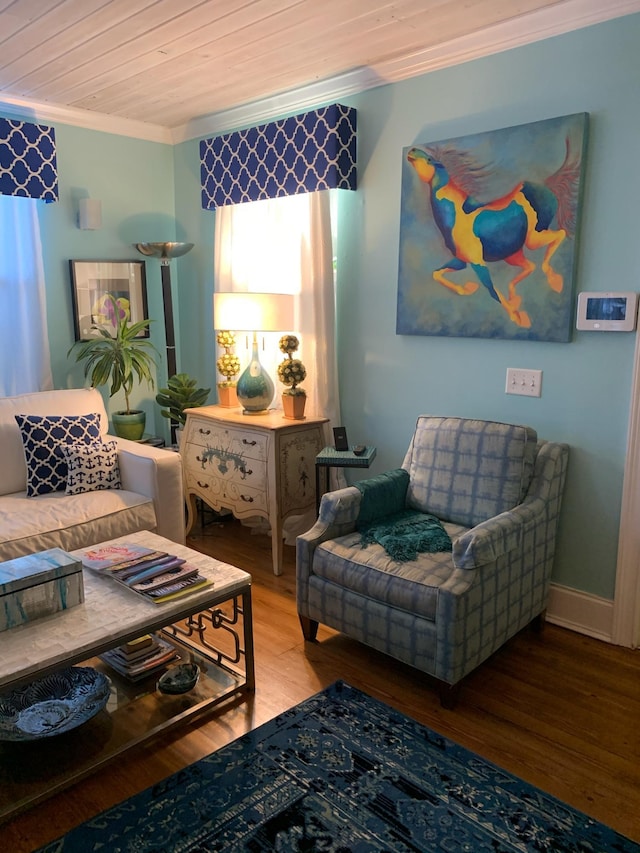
253,312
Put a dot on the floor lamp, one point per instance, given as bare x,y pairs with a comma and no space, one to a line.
166,251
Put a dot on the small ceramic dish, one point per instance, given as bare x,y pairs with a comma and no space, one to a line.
179,679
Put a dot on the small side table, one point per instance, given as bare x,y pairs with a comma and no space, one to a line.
332,458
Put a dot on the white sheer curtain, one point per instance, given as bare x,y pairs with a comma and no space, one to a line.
284,245
25,363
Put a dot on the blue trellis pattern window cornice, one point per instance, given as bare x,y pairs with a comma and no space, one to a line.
28,165
304,153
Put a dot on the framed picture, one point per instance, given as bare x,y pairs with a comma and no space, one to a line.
488,232
92,281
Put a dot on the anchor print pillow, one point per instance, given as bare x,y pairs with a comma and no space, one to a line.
91,467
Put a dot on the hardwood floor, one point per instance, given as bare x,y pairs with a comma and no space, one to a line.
559,710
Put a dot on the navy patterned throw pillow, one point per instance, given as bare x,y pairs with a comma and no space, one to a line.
42,437
91,466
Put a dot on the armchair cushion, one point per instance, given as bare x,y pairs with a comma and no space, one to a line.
412,585
467,471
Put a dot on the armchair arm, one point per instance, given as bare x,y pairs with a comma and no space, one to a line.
157,474
338,513
536,516
490,539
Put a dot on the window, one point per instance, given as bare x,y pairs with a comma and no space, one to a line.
24,341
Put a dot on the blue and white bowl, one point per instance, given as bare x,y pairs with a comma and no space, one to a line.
54,704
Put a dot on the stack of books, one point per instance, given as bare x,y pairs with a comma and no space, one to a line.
141,658
157,575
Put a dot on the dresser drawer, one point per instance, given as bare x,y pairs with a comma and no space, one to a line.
233,441
225,465
238,495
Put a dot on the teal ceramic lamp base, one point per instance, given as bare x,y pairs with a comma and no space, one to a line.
255,387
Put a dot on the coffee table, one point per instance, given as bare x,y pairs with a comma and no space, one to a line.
212,626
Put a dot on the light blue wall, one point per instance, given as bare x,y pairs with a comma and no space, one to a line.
387,380
134,181
197,351
151,192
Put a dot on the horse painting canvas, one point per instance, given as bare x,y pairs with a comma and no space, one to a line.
488,231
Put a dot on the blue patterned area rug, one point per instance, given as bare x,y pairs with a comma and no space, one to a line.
342,773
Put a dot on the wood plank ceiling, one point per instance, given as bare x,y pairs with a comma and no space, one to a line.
169,62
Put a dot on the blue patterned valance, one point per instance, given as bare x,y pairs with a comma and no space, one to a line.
304,153
28,164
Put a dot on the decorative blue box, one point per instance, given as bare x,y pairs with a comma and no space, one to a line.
38,585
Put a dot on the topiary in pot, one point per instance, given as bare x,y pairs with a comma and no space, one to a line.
118,359
291,372
229,366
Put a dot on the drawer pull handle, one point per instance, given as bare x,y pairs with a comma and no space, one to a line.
203,485
250,443
246,498
246,472
204,431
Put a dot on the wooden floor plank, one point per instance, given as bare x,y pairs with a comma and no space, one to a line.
560,710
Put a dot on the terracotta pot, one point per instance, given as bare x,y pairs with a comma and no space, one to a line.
228,396
293,406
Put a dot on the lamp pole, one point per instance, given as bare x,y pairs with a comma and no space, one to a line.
166,251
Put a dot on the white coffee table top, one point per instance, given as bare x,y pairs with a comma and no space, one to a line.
109,616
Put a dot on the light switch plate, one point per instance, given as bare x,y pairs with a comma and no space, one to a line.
528,383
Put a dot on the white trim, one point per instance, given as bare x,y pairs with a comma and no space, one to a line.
580,611
626,614
557,19
47,113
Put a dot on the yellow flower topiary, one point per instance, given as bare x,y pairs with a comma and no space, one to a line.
291,372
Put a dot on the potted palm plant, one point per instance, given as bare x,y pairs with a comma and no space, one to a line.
119,358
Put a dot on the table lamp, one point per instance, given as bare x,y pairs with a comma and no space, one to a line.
254,312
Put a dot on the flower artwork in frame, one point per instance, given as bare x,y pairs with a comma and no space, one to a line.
488,227
91,284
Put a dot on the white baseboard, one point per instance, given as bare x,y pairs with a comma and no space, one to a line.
580,611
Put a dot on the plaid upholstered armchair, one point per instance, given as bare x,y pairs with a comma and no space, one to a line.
372,567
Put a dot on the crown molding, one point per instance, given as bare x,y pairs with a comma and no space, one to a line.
48,113
557,19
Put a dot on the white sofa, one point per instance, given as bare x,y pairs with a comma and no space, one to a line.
151,497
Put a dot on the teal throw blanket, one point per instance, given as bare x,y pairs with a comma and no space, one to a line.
383,518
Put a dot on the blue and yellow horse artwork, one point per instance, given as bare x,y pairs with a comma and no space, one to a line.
522,228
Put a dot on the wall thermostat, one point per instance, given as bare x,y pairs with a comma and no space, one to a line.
607,312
